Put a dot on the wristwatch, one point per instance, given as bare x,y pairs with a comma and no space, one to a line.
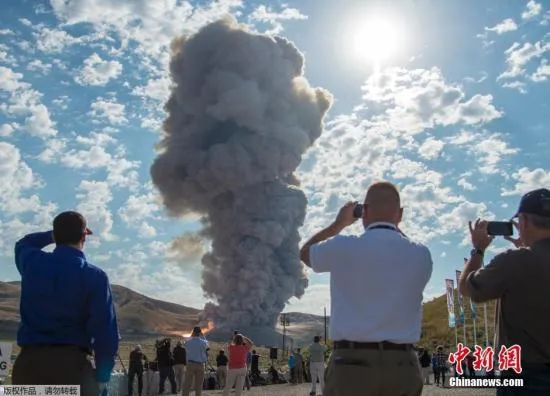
476,251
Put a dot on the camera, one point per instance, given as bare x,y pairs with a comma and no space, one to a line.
358,210
163,344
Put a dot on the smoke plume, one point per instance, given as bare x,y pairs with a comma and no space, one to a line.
240,116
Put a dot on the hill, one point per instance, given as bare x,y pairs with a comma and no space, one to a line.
435,323
138,316
141,317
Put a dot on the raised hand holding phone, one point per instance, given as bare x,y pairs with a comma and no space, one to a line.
516,241
345,216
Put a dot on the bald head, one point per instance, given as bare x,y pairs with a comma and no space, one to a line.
382,203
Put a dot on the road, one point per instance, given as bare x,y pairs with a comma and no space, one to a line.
303,390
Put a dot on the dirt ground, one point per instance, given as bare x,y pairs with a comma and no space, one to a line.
303,390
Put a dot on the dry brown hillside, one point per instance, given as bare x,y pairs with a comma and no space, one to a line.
435,324
138,316
141,317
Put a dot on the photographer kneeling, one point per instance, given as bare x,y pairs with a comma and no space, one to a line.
519,279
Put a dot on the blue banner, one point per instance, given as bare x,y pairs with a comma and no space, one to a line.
473,308
460,320
473,305
449,285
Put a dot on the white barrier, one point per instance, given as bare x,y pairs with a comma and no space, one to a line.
5,358
118,386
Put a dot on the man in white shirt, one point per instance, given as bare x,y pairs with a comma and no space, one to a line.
376,285
317,354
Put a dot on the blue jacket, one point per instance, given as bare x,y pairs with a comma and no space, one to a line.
65,300
291,361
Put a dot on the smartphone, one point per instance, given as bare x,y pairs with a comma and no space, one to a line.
500,228
358,211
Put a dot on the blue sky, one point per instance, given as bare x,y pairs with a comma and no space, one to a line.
456,116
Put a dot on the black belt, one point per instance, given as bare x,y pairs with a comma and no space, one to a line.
384,345
87,351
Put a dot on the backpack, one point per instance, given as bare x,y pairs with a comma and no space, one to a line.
211,385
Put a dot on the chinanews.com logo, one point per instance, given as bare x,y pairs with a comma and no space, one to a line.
483,359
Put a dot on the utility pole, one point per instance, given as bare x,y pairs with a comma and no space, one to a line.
284,322
325,325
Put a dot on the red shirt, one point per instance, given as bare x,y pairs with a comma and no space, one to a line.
237,356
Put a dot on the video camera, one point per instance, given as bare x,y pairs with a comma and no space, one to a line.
163,344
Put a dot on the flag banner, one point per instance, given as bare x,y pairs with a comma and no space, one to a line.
473,305
449,285
460,301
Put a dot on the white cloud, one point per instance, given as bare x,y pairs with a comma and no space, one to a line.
462,182
528,180
518,85
422,99
146,230
39,66
490,152
532,10
431,148
315,299
94,198
39,123
97,71
25,102
105,109
543,72
146,269
157,89
7,129
6,57
52,151
518,56
265,14
489,149
137,210
15,176
54,41
159,22
507,25
62,102
96,139
17,179
457,219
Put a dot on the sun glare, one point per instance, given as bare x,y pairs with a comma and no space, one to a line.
375,40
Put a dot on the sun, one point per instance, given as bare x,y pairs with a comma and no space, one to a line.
375,40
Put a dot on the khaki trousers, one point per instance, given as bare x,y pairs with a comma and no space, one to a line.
195,371
236,377
179,373
222,376
373,372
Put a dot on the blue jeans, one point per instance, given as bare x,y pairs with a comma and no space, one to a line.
536,381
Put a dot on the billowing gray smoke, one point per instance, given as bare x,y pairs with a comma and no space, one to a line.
240,116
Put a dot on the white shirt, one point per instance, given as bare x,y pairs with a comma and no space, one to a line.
376,284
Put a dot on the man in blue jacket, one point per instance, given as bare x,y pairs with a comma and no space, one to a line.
66,309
